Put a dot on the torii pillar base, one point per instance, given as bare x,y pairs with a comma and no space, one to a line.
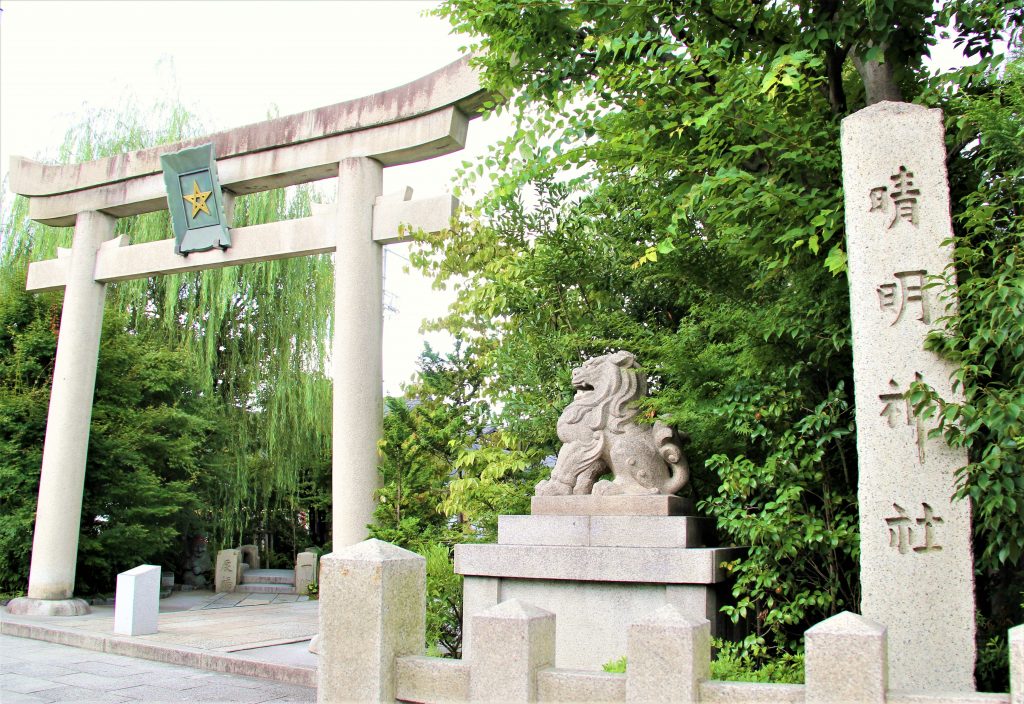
26,606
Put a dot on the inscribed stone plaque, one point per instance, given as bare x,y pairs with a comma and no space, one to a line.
194,200
916,561
226,570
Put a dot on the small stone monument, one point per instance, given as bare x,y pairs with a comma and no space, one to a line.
305,571
917,570
228,571
137,601
251,556
600,553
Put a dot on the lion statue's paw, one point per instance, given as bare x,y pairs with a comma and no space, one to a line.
606,488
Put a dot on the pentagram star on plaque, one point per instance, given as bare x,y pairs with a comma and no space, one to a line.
198,199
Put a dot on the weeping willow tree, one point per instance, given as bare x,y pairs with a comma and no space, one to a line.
257,332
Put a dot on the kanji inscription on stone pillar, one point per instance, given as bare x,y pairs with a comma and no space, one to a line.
917,573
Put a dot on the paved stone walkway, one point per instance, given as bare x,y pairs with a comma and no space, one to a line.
37,671
231,599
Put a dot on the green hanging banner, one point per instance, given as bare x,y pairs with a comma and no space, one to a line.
194,200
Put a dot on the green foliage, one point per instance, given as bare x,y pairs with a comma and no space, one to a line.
791,509
444,601
447,475
424,434
148,435
673,187
735,665
615,666
732,665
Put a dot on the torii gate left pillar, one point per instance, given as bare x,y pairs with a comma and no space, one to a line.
353,141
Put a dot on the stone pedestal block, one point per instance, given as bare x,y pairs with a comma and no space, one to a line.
916,566
137,601
228,570
596,505
669,656
511,643
845,661
372,611
606,531
597,573
305,571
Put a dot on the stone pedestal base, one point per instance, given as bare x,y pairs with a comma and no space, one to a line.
24,606
597,573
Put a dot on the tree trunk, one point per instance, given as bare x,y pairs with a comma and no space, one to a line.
879,79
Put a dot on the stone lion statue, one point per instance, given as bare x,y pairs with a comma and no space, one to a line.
600,435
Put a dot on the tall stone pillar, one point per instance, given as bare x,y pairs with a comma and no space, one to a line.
356,354
917,573
55,543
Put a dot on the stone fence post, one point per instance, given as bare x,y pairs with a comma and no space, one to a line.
845,661
372,611
512,642
669,655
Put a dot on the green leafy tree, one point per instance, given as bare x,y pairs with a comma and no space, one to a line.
700,225
148,435
433,495
986,338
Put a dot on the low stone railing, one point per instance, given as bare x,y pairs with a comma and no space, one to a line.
372,623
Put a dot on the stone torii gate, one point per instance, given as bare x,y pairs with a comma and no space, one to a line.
353,140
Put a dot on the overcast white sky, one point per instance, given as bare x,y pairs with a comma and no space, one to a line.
229,62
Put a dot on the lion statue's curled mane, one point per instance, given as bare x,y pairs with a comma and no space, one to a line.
600,434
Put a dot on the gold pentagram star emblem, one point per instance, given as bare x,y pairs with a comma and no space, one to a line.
198,199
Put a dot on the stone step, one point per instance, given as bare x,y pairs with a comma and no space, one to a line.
268,577
266,588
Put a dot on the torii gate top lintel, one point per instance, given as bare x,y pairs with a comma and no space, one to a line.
421,119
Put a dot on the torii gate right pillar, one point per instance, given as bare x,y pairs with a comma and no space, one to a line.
356,351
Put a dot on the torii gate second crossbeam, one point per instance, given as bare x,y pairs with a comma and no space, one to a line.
354,141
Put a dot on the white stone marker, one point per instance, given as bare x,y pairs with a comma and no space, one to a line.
916,562
137,601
